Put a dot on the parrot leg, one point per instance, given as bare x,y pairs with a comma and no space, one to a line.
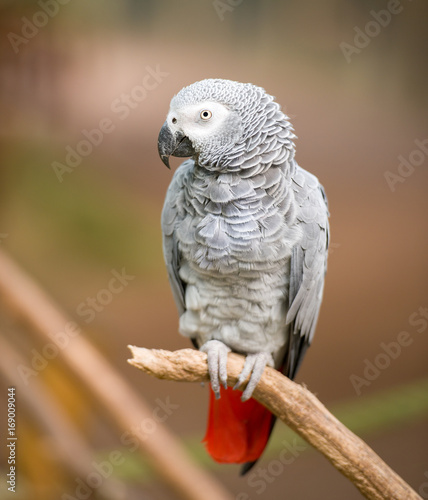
217,360
254,366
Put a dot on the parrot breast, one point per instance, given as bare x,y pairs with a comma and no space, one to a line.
235,249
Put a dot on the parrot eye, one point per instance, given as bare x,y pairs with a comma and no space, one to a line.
206,114
174,120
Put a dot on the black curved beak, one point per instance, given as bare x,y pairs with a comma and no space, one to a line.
173,144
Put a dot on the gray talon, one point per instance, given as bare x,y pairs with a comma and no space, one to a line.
217,368
248,366
254,366
217,364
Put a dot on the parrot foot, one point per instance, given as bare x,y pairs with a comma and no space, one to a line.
217,360
254,366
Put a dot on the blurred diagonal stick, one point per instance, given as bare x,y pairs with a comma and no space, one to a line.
124,406
66,439
299,409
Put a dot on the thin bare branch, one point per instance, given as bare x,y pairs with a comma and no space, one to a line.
297,407
127,409
67,442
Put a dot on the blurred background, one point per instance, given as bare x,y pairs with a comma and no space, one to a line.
84,90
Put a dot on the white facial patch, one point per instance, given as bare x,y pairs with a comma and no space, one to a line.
202,123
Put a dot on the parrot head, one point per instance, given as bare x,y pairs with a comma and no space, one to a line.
211,120
201,121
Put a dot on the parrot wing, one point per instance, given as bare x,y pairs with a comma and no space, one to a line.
172,213
307,267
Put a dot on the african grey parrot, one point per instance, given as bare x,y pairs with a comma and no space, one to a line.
245,238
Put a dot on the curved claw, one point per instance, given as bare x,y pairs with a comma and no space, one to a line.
217,361
248,367
254,366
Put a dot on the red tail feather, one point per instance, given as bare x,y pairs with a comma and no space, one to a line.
237,431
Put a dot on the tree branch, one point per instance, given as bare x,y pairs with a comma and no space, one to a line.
67,442
108,387
297,407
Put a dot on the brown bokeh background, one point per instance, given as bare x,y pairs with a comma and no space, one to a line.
356,117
